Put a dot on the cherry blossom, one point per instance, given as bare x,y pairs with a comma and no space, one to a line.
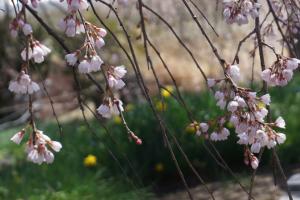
72,58
110,107
17,138
36,51
23,85
71,26
281,72
238,11
114,77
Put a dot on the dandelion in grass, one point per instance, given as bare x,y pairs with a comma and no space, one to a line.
166,92
90,160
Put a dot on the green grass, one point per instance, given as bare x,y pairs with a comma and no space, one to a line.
67,178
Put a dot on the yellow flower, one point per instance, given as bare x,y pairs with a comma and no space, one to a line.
261,105
190,129
90,160
160,106
166,92
117,120
159,167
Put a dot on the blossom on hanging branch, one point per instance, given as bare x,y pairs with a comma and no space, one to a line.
246,112
95,34
23,85
38,143
36,51
37,146
238,11
89,60
281,72
71,25
110,107
115,75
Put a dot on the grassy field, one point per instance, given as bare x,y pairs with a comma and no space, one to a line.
67,178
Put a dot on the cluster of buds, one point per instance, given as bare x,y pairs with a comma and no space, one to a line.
37,146
23,84
250,159
237,11
281,72
96,35
246,112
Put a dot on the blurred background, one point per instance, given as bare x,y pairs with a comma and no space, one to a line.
85,168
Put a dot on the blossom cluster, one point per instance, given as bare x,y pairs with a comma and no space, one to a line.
38,143
23,85
88,60
281,72
246,111
112,106
37,146
34,50
89,63
71,25
237,11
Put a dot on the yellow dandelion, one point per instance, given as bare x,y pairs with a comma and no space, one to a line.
117,120
159,167
90,161
166,92
160,106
